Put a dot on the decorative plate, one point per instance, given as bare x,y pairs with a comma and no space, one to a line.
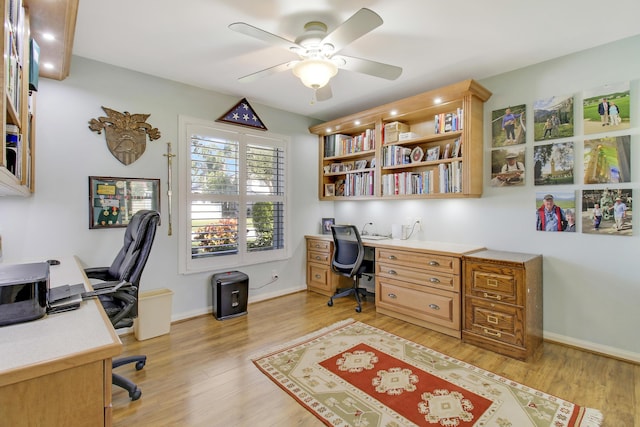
416,155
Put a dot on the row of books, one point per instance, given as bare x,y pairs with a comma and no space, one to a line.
356,184
449,180
393,155
450,177
449,122
339,144
401,183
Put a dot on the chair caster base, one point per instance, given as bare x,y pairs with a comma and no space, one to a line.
358,309
330,303
135,394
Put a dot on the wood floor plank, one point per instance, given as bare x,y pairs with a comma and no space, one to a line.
201,375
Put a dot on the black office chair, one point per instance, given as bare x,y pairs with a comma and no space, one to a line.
118,291
348,257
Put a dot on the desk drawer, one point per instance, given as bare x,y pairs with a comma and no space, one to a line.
319,245
424,277
319,257
440,263
432,305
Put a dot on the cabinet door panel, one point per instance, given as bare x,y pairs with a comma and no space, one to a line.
318,245
318,276
495,283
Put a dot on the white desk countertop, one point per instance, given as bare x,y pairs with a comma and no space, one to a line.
423,245
76,334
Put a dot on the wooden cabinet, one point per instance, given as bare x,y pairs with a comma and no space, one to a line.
320,278
419,287
382,152
16,148
503,302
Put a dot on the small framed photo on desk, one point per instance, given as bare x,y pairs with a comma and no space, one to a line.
326,225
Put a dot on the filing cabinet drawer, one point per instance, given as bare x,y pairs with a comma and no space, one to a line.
499,284
319,257
434,306
319,245
500,322
425,277
441,263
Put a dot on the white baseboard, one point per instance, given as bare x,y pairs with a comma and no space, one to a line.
593,347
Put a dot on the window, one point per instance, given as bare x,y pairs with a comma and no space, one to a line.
233,198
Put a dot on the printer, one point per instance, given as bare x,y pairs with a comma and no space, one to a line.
23,292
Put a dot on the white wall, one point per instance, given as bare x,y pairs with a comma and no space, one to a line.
54,221
591,282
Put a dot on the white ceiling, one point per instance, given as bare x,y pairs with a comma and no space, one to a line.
435,42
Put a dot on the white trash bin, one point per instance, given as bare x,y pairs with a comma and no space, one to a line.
154,314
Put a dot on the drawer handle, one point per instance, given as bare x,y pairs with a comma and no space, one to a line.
492,333
392,257
434,263
492,319
434,306
491,296
318,245
492,282
434,280
318,276
393,296
318,257
392,272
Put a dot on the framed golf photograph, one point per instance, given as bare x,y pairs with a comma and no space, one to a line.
606,108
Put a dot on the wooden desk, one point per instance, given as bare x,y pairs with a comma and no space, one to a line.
56,371
416,281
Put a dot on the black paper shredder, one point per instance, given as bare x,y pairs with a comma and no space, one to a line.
230,294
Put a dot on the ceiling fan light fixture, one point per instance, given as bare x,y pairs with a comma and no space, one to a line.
315,73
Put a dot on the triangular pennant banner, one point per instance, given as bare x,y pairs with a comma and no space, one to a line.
242,114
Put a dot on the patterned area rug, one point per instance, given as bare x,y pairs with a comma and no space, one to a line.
352,374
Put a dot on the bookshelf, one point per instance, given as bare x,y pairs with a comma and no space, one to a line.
425,146
17,147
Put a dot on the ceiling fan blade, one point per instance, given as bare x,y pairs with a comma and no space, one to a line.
324,93
353,28
251,31
267,72
366,66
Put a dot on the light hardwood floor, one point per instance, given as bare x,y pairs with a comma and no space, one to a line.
200,374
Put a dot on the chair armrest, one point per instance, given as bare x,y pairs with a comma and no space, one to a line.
101,273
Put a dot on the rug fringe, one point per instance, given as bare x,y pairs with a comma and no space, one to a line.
274,349
591,418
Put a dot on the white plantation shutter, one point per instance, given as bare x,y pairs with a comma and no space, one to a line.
235,206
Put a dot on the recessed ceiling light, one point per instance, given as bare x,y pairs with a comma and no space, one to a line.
48,36
357,122
394,112
437,100
48,65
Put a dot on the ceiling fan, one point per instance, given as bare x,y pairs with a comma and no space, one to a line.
318,52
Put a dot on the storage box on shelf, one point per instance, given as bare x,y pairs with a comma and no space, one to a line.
425,146
16,148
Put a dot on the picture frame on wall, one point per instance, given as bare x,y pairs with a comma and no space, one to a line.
607,160
113,200
553,163
508,126
606,108
604,214
553,118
